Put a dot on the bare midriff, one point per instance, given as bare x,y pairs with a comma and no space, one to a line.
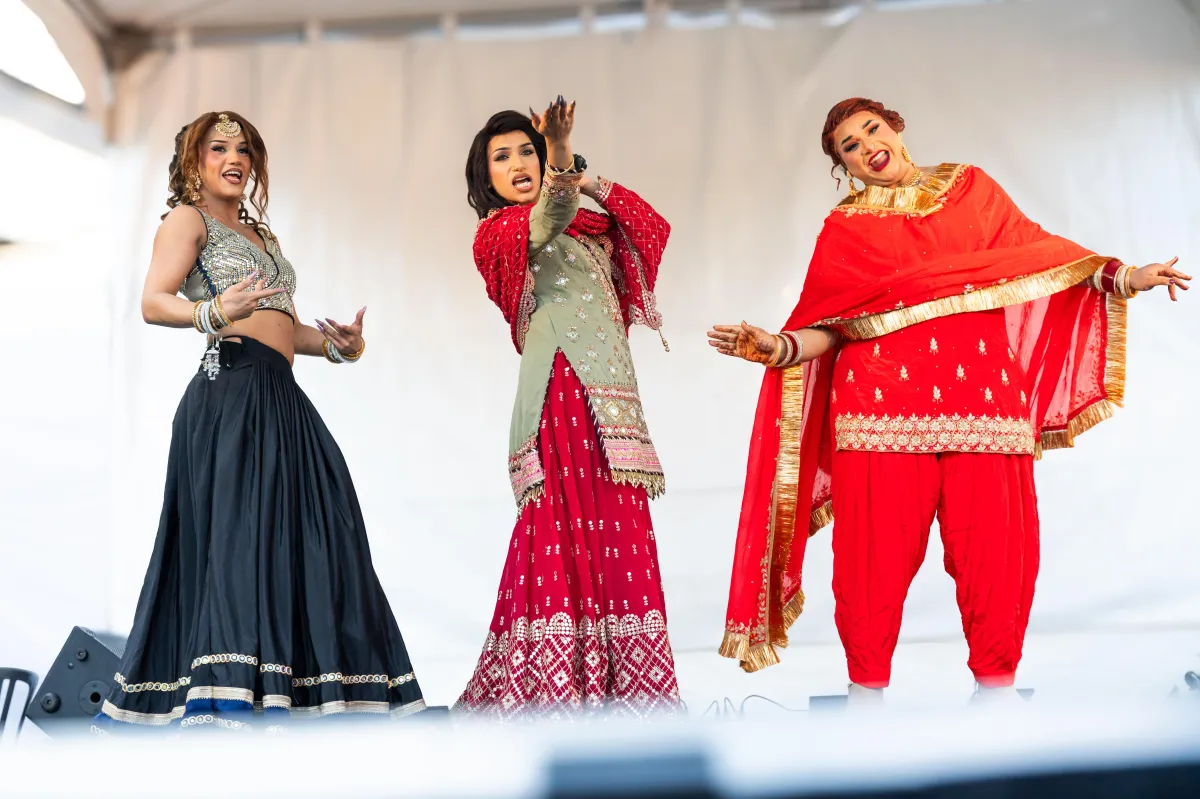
273,328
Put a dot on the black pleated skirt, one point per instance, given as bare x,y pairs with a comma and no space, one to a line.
260,602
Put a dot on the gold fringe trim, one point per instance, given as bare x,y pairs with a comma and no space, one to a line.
655,484
1031,287
791,612
1114,382
922,199
532,494
820,517
734,645
784,498
759,657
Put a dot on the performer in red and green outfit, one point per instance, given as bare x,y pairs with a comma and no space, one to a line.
580,621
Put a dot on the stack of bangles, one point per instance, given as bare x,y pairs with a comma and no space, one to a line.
208,316
1113,278
789,349
334,355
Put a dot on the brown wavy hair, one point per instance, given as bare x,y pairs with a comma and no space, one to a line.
187,159
848,108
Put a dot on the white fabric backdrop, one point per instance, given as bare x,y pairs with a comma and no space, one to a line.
1087,112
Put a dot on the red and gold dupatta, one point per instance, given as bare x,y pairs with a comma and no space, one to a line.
887,259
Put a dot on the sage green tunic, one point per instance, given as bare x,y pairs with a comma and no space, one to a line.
576,310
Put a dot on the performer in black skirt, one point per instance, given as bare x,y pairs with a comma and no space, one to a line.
260,595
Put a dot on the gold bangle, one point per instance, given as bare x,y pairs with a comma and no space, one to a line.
196,316
362,347
326,346
1130,291
224,317
780,348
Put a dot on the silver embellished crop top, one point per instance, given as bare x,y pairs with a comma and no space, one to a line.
229,258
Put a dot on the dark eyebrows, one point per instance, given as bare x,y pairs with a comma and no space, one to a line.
866,125
506,148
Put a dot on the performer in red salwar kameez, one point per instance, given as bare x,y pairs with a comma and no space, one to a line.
942,340
580,621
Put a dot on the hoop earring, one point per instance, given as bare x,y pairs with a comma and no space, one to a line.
193,186
904,153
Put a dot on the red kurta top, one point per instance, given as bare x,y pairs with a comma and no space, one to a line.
951,384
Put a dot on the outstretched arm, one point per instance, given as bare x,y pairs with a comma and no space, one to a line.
789,348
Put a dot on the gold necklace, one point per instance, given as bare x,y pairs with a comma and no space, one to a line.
914,179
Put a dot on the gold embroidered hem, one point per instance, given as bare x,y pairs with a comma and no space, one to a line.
999,295
914,433
921,199
525,472
265,668
620,426
269,701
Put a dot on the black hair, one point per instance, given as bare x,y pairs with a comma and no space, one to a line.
480,194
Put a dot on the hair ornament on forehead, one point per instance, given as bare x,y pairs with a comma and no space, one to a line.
228,127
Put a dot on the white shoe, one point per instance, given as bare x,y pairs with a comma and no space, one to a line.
998,696
860,697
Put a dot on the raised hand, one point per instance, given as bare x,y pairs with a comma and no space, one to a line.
347,338
241,299
743,341
556,122
1151,275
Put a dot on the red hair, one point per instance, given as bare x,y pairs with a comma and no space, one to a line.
848,108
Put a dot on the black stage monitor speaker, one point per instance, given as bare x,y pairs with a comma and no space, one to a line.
78,682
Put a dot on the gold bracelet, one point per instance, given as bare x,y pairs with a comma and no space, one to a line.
778,355
196,316
1130,292
362,347
326,350
224,317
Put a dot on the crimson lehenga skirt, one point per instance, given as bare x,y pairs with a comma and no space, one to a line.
580,623
260,597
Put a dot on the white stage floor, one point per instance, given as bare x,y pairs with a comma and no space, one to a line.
1063,668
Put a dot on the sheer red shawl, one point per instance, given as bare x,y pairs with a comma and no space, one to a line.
887,259
632,234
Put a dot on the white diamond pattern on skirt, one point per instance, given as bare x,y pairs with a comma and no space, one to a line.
558,668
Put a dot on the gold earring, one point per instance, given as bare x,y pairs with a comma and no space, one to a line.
193,186
850,182
904,153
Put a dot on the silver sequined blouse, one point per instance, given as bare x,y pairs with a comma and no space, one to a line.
229,257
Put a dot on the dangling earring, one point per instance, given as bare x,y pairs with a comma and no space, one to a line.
850,182
904,153
193,186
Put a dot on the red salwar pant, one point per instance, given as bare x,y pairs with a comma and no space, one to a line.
884,505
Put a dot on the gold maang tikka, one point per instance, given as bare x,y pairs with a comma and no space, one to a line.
228,127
